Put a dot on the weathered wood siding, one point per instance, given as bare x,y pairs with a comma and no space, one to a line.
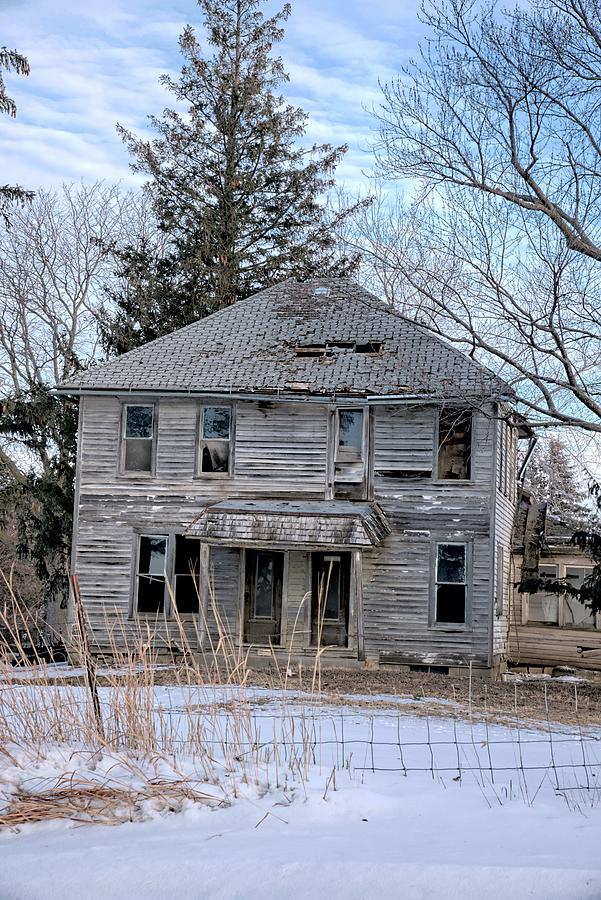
397,575
223,611
296,630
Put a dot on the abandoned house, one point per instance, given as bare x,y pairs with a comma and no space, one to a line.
307,469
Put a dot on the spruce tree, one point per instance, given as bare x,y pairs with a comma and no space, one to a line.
238,197
553,479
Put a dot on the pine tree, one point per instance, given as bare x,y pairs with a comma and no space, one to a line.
553,479
238,197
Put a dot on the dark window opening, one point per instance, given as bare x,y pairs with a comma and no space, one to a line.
187,574
454,444
330,348
330,593
369,347
263,585
215,439
451,584
150,594
138,438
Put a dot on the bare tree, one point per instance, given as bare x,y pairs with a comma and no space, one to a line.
55,262
498,125
506,103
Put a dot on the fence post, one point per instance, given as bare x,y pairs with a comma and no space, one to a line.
89,665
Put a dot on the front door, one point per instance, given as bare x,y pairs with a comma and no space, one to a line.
330,590
263,597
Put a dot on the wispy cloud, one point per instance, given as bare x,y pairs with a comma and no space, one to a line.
97,63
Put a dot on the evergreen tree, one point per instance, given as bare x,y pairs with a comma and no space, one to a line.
11,61
236,194
553,479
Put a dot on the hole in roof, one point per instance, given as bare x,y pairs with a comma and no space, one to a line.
330,348
321,292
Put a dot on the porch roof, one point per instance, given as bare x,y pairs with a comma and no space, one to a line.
288,523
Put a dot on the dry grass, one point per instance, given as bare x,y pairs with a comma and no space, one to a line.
206,742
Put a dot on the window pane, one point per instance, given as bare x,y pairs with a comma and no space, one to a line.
543,608
216,422
138,455
451,563
139,422
152,555
450,603
576,613
186,593
350,429
264,587
215,457
151,594
454,443
187,555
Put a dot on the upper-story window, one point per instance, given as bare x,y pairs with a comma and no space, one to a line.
350,434
507,459
215,452
350,459
455,444
138,438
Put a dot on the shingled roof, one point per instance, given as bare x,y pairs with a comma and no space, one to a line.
324,337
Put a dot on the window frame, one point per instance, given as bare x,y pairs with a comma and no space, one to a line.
173,611
132,473
562,569
468,584
201,440
364,410
436,477
134,611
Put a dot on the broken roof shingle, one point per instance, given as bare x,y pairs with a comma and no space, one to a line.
250,348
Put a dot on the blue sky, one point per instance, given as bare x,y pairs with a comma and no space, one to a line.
97,62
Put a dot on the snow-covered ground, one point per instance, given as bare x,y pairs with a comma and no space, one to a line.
482,819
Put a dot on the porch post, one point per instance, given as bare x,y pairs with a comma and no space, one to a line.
203,593
358,590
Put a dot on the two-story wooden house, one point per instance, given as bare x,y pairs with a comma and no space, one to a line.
318,469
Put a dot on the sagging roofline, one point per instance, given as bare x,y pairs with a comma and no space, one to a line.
284,396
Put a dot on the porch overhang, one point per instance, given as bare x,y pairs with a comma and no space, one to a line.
291,523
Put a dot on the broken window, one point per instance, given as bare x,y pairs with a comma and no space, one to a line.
451,583
454,443
138,438
151,576
215,439
330,590
264,578
187,574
